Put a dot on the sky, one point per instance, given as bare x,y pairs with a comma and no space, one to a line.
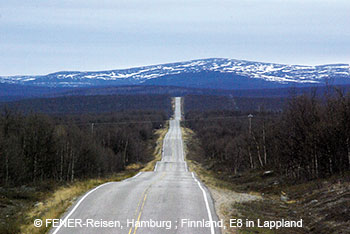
41,37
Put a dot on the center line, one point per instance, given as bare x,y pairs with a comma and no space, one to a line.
144,196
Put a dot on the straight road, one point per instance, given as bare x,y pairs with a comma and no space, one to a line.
168,200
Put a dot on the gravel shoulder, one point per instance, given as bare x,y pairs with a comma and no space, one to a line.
224,200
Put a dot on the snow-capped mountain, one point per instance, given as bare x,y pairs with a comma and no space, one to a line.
205,73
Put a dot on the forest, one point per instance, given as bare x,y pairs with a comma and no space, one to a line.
308,138
90,104
236,103
60,147
302,137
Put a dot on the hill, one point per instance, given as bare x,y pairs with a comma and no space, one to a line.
215,73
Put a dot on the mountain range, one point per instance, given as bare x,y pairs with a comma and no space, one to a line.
214,73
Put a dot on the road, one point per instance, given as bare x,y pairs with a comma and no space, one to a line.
164,199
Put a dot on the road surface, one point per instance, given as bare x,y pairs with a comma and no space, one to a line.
168,200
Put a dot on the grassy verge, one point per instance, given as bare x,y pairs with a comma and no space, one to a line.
207,176
19,207
157,151
62,198
324,204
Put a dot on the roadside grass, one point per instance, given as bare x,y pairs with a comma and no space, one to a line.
157,149
323,204
266,210
62,198
208,177
13,203
19,207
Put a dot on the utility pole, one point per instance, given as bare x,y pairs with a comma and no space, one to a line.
92,128
250,116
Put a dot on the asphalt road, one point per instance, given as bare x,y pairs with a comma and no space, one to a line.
165,200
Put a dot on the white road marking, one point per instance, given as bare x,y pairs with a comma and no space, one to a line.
76,206
85,196
182,150
167,137
186,167
132,177
206,204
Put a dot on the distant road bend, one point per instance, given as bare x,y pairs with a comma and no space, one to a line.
168,200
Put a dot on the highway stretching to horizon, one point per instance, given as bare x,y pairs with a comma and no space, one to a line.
169,199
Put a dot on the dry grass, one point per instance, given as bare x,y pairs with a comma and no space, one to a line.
206,176
157,153
62,198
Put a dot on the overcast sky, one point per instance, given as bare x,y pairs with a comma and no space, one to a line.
44,36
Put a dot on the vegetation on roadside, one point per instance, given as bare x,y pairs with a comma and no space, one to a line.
35,148
157,148
310,139
296,160
323,204
55,203
22,205
48,161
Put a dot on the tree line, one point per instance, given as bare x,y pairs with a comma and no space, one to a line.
38,147
234,102
91,104
309,138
